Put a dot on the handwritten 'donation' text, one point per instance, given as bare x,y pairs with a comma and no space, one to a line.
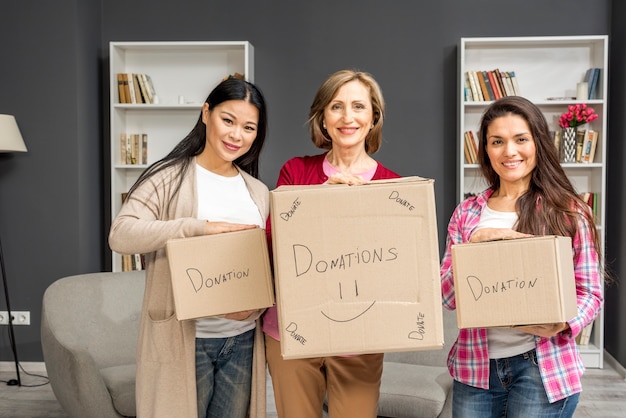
479,290
199,282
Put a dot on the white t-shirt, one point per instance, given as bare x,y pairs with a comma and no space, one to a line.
224,199
504,342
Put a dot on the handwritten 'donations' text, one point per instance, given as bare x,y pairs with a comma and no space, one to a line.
499,287
304,259
200,282
292,329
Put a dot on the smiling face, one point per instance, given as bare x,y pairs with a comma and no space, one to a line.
511,150
231,128
349,116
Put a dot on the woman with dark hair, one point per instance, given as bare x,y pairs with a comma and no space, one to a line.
526,371
208,367
345,120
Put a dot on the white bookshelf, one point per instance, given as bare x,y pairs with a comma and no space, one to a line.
545,67
183,75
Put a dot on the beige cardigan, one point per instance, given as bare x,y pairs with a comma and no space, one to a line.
166,373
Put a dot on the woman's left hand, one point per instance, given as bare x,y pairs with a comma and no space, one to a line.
545,330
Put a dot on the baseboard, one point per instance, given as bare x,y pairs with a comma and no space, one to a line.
615,365
29,366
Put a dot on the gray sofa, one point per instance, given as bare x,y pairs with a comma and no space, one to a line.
89,330
417,384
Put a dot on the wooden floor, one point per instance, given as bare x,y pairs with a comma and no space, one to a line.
604,395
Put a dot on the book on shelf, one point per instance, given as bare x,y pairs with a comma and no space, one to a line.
471,149
556,137
494,86
516,89
591,78
131,88
483,86
138,97
121,90
490,85
580,139
472,84
589,146
133,148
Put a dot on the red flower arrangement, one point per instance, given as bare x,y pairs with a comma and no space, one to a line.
576,115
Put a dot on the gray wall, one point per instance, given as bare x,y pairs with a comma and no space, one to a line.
53,204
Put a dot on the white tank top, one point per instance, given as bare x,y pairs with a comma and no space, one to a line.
504,342
224,199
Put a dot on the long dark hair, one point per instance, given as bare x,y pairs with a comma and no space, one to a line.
193,144
551,205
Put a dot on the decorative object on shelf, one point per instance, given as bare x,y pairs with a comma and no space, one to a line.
568,145
576,115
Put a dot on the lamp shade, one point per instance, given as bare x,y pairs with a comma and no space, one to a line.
10,137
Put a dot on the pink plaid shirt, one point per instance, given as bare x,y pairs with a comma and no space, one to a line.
559,361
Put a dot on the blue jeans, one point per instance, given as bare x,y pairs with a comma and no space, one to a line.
224,375
515,391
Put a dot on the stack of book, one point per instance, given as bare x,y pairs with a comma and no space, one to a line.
485,86
135,88
471,148
133,148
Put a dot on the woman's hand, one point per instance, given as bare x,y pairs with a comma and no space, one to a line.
494,234
545,330
239,316
341,178
220,227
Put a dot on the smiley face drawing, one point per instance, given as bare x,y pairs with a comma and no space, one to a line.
354,315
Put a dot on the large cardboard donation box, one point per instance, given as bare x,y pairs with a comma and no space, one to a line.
218,274
356,268
524,281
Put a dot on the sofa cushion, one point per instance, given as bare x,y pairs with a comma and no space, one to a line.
120,381
410,390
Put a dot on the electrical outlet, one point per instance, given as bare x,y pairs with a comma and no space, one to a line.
19,317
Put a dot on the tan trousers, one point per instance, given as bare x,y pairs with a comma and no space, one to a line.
351,384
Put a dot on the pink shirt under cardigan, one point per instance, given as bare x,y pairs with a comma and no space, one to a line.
303,171
559,361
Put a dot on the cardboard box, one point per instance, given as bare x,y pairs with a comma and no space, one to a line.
514,282
218,274
357,268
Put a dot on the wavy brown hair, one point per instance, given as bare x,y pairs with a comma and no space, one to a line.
327,92
551,205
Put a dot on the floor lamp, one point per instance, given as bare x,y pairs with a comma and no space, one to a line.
10,141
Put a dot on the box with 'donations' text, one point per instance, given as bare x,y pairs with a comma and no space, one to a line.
356,268
524,281
213,275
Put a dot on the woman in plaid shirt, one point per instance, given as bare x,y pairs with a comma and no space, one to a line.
534,370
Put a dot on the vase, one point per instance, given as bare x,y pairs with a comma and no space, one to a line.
568,145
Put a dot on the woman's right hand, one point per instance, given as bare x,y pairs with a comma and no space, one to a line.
494,234
221,227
